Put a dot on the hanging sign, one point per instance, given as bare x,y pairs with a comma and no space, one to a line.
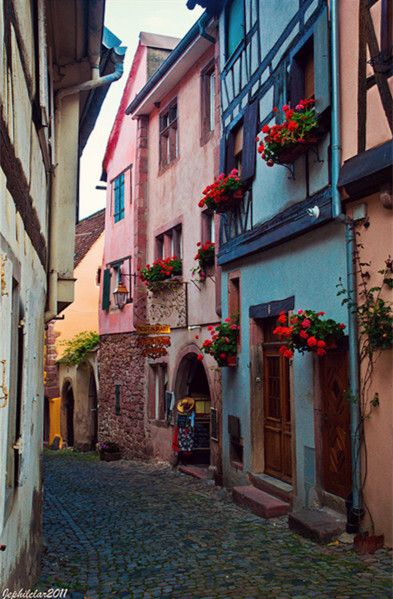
153,329
154,347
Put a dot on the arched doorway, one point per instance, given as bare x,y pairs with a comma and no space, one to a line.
191,381
93,410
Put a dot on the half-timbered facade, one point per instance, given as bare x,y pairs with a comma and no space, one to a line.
48,107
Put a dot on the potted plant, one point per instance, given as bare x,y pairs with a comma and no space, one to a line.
109,451
223,344
161,270
205,257
284,142
307,331
224,194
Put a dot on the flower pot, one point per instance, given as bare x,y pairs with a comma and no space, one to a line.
229,204
106,456
331,343
231,361
289,155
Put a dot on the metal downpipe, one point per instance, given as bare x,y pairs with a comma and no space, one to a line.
354,508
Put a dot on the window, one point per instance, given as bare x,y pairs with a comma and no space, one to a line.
239,150
158,383
234,302
114,273
235,26
302,74
118,187
169,244
310,67
208,82
169,135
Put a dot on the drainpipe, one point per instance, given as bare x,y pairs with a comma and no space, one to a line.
96,82
354,508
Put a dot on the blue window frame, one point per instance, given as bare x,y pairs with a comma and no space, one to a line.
119,198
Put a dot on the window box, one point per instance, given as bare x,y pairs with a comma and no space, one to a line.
289,155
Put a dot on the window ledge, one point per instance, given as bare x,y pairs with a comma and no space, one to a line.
163,169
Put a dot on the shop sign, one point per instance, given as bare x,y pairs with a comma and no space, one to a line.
154,347
153,329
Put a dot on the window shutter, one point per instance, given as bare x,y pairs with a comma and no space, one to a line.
322,62
249,143
230,160
106,286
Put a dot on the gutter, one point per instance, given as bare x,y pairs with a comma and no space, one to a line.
354,507
198,29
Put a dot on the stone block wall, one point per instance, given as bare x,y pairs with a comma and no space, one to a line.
121,365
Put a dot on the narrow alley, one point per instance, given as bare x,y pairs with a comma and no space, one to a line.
138,530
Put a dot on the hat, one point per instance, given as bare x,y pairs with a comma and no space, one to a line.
185,405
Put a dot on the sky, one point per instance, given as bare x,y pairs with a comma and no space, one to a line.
126,19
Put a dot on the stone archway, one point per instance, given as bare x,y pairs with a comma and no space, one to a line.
191,380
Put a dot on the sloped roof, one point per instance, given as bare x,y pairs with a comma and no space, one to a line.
87,232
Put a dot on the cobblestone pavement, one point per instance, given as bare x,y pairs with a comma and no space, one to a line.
143,531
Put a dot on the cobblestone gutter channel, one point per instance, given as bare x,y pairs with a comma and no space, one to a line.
143,531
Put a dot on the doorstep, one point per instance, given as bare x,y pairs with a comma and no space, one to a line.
200,472
317,525
259,502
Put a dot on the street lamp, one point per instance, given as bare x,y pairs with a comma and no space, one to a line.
120,295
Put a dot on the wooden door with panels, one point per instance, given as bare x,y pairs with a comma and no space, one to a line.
336,437
277,408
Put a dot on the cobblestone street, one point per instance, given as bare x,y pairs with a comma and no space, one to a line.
137,530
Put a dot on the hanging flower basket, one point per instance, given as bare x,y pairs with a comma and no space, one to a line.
307,331
284,143
224,194
224,342
205,257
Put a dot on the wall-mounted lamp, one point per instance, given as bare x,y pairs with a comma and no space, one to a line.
194,326
120,295
314,212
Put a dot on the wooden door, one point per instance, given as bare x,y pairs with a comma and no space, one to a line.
336,437
277,415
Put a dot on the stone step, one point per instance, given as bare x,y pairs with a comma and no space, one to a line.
316,525
259,502
195,471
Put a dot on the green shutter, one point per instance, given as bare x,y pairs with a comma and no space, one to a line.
106,287
322,62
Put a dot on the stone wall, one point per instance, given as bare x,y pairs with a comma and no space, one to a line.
121,365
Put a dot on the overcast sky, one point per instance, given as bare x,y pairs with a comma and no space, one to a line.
126,18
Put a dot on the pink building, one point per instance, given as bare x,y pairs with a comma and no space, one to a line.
366,180
122,368
176,123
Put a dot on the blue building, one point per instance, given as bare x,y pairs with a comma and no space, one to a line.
285,423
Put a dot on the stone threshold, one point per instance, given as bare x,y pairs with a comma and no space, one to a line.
259,502
196,471
272,486
320,526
